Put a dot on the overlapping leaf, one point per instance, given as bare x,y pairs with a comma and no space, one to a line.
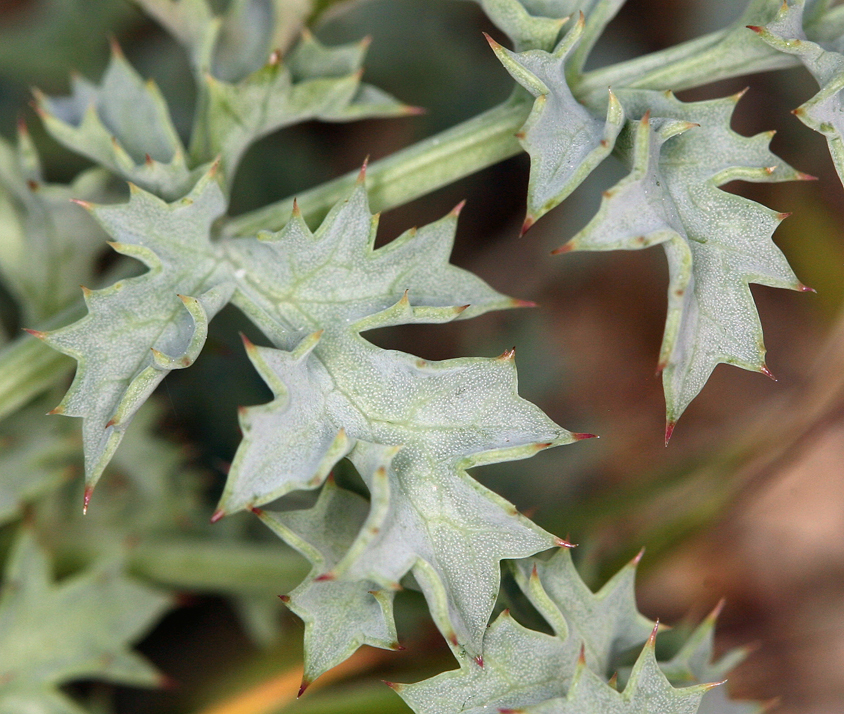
313,294
246,92
824,111
339,615
78,629
527,671
716,242
139,329
565,141
47,246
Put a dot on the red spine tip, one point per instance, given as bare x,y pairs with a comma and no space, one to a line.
561,543
669,430
302,687
581,658
782,216
167,682
325,577
805,177
567,248
523,303
32,185
479,660
527,225
755,28
458,208
806,289
257,511
453,639
362,173
492,43
148,160
638,559
35,333
578,436
22,127
652,637
411,111
716,613
86,499
284,598
398,648
217,515
764,370
79,202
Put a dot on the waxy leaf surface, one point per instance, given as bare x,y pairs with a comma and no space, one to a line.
825,111
716,242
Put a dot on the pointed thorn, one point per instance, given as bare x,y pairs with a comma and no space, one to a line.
217,515
660,368
647,118
257,511
23,129
32,185
579,436
652,637
413,111
215,167
302,687
567,248
395,686
247,343
79,202
148,160
508,354
515,302
755,28
527,225
35,333
604,143
111,422
86,292
362,174
284,598
716,612
396,647
534,573
764,370
479,660
167,683
325,577
453,639
581,658
457,209
241,411
806,289
799,112
638,559
511,711
56,410
614,681
669,430
275,58
560,543
782,216
86,499
492,43
520,135
805,177
116,50
712,685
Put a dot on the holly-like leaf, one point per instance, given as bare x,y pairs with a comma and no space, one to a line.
647,692
139,329
339,615
716,242
695,663
823,112
123,124
564,140
79,628
47,246
607,624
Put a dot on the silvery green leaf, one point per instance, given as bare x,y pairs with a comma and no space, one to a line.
314,82
530,25
34,458
47,246
79,628
520,667
695,663
123,124
646,692
564,140
607,624
339,615
823,112
313,294
716,242
139,329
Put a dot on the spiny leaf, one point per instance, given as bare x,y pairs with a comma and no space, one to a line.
334,388
124,125
607,623
79,629
716,242
137,330
47,246
695,664
564,140
646,692
339,615
528,23
823,112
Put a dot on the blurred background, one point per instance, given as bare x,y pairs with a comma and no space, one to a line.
747,502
